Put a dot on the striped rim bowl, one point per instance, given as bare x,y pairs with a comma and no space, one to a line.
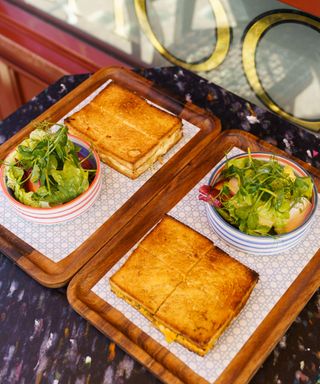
64,212
260,245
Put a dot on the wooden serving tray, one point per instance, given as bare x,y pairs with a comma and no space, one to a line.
55,274
166,366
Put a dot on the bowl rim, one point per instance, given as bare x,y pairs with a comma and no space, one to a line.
265,250
218,169
61,207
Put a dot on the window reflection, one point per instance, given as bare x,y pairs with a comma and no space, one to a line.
196,34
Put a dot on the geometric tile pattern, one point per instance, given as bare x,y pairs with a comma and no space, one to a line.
276,274
58,240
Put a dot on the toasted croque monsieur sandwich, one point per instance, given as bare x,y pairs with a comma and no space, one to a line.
187,287
128,133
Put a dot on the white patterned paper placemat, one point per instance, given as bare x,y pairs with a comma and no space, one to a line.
59,240
276,275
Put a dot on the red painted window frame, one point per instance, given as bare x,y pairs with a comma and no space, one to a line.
55,44
310,6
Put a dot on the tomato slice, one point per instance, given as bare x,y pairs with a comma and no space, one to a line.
32,187
29,186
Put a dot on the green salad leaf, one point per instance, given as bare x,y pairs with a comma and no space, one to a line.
49,163
266,197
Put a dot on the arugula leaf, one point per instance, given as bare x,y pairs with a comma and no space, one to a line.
51,159
35,174
303,187
267,192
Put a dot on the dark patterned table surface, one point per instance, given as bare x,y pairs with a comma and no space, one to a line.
42,340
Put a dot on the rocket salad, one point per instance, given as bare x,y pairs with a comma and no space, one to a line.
261,197
46,169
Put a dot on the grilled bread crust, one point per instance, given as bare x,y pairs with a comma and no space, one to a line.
128,133
188,288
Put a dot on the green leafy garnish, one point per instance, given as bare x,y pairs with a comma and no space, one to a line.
49,161
266,197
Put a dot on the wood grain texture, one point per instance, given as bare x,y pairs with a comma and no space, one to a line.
134,341
10,97
12,246
27,62
17,85
51,274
